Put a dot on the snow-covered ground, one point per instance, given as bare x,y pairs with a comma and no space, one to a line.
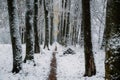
29,72
69,67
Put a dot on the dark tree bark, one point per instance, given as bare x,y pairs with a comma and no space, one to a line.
36,41
29,31
46,44
15,36
112,47
90,68
51,32
51,23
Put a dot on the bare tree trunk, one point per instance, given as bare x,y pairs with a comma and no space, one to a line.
40,20
67,22
15,36
112,41
29,31
90,68
46,44
36,42
51,23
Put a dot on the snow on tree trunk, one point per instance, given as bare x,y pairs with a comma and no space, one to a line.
29,31
15,36
112,36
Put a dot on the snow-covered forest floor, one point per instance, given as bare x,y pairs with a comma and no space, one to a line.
69,67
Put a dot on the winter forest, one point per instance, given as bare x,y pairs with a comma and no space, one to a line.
59,39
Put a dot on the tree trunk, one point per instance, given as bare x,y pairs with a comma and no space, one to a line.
67,22
29,31
112,38
36,42
40,28
51,31
90,68
46,44
51,23
15,36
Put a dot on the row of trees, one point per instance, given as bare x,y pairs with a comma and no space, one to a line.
67,31
30,31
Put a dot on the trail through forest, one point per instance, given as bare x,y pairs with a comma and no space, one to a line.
53,65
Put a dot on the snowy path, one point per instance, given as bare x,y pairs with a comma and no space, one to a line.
53,65
69,67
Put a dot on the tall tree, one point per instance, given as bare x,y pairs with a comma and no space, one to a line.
90,68
29,31
112,47
40,21
15,36
46,43
36,41
64,22
67,22
51,23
